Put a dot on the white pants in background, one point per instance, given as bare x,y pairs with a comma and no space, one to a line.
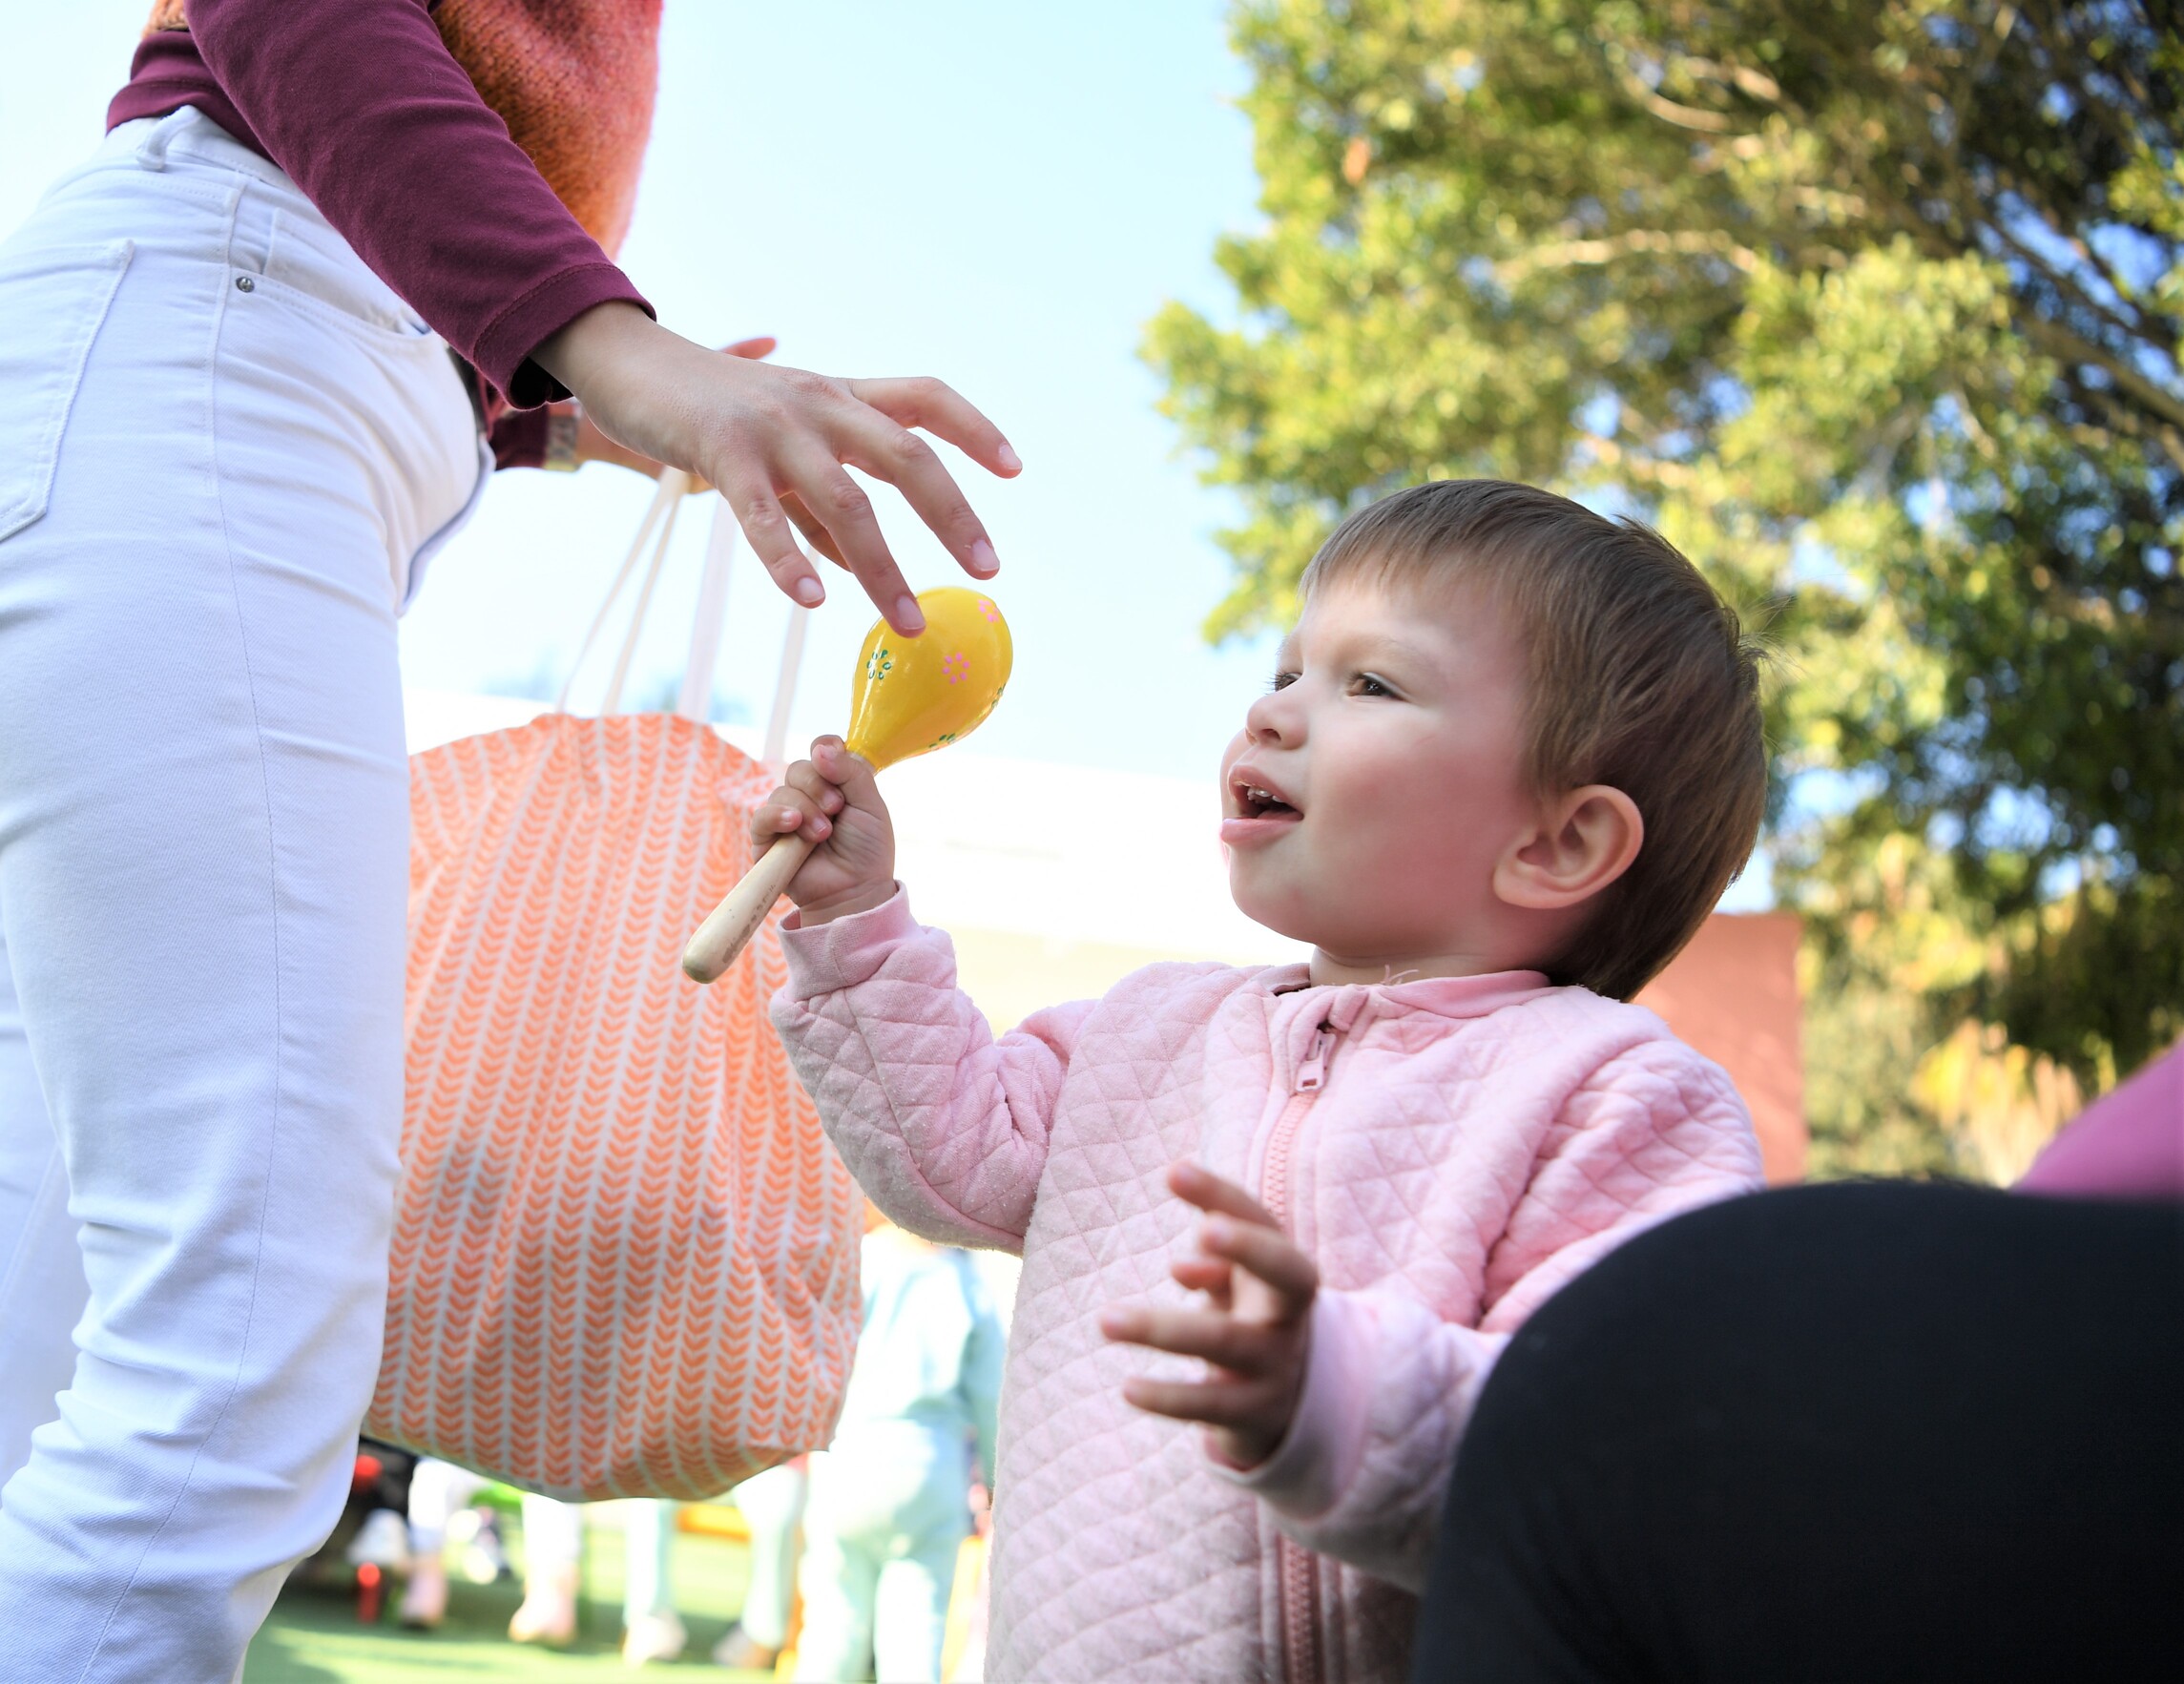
225,449
888,1514
553,1538
437,1489
772,1503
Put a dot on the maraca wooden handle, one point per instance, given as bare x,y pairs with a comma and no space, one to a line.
730,927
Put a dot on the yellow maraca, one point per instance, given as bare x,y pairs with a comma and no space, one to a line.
910,695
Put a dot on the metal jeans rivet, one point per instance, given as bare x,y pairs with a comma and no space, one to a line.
245,283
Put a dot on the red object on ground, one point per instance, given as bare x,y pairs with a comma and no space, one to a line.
369,1587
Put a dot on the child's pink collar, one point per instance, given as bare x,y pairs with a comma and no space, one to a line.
1443,996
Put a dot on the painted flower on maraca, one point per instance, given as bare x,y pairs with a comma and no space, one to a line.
939,685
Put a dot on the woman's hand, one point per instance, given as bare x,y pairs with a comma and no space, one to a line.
1255,1339
776,439
833,799
594,446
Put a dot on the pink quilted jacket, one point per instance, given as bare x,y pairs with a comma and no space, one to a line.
1450,1150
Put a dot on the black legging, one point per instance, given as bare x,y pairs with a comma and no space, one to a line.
1856,1433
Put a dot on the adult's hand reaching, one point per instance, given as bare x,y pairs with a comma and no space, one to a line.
776,442
594,446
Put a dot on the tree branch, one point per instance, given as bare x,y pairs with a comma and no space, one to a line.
2072,347
1567,254
1683,116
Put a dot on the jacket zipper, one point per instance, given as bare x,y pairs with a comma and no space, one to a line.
1296,1572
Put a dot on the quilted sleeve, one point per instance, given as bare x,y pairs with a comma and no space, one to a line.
1360,1475
1655,1132
1361,1472
945,1127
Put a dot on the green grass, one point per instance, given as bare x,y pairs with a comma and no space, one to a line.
313,1636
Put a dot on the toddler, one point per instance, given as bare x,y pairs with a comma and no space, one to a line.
1511,757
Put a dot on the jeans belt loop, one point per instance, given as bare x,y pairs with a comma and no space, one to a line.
152,151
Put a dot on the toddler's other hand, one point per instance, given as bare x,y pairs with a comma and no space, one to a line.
833,800
1256,1338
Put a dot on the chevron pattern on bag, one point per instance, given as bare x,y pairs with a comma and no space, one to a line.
624,1255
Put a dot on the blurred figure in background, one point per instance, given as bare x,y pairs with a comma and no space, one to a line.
552,1562
440,1517
554,1549
440,1499
650,1627
890,1498
773,1505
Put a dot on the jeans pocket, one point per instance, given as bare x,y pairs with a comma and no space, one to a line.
54,300
317,263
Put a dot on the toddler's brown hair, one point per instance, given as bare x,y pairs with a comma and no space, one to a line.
1640,676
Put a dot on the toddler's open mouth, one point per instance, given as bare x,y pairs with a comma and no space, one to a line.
1257,810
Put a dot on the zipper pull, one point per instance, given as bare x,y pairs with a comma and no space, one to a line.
1313,1071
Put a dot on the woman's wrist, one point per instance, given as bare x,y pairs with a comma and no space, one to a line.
587,444
595,342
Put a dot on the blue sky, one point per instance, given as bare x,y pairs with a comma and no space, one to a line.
999,195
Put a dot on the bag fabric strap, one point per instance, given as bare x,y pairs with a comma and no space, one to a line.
696,698
776,750
705,625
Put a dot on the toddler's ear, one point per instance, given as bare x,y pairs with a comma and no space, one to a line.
1584,840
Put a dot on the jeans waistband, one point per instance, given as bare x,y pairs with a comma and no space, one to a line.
187,132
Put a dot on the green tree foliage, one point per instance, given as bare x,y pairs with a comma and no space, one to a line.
1874,308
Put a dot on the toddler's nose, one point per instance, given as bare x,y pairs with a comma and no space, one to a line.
1274,717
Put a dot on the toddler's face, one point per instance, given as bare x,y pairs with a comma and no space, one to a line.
1372,791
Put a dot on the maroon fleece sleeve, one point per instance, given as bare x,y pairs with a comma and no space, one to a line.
361,103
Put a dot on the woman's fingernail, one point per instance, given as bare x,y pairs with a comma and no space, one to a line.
983,561
910,617
1009,460
1218,1232
820,825
810,591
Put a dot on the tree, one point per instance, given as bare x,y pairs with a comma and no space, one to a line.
1874,307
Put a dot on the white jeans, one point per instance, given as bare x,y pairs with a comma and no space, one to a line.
225,449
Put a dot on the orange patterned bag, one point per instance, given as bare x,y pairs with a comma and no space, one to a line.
625,1257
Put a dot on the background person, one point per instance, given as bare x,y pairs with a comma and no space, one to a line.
890,1505
437,1491
552,1572
773,1507
651,1630
233,441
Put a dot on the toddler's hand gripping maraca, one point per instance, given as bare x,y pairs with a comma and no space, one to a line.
910,695
831,803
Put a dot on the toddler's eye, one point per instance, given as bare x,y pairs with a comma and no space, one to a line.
1281,681
1365,684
